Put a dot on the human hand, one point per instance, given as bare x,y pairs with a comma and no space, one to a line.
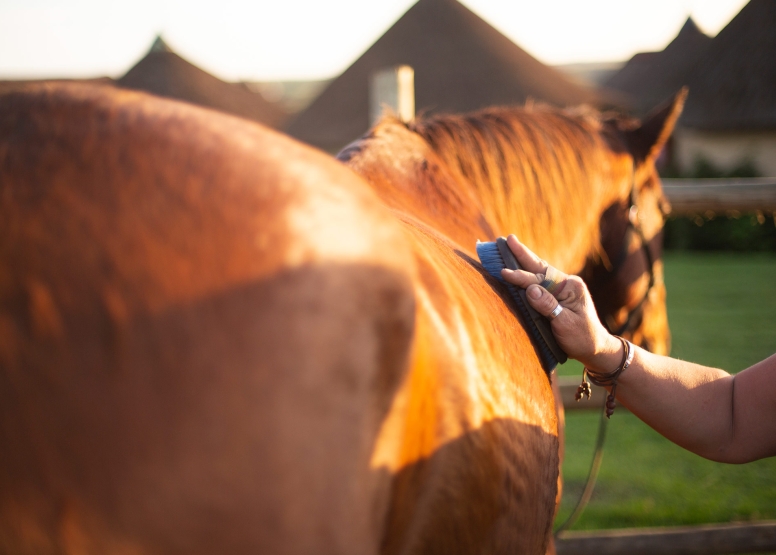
577,328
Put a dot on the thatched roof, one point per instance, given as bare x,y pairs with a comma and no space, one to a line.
734,85
461,63
650,78
165,73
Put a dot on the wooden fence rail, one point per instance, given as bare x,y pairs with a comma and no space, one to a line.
707,539
721,196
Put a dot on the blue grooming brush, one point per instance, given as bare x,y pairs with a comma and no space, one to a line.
494,257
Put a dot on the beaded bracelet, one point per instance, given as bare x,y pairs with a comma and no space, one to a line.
606,380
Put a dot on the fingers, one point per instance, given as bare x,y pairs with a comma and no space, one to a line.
527,259
574,291
550,278
521,278
542,301
573,297
554,280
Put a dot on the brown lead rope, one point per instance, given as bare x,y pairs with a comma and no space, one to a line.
584,389
592,476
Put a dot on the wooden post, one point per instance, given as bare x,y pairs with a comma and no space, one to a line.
393,88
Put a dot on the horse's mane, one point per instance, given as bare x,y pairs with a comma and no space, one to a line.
551,163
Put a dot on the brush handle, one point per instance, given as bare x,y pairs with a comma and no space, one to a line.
542,323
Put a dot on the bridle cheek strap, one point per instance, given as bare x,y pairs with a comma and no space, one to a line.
634,226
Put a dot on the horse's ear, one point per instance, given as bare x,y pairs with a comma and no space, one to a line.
646,141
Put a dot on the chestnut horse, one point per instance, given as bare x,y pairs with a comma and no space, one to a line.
214,339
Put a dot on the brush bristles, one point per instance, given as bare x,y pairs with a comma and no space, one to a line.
491,260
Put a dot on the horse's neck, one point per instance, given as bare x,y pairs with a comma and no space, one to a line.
554,210
563,229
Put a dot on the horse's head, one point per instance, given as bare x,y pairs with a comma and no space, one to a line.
626,280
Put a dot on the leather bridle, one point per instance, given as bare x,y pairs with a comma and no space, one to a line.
634,226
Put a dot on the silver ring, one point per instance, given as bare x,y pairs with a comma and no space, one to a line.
551,279
554,313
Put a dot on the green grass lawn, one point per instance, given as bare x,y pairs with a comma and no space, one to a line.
722,312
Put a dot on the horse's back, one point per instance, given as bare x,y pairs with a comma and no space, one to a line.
201,326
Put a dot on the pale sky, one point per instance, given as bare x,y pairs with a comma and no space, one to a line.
307,39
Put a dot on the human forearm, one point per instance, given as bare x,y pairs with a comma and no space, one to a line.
690,404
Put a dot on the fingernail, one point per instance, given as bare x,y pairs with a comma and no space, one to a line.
535,292
506,271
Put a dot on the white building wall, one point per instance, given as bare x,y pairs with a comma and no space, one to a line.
726,150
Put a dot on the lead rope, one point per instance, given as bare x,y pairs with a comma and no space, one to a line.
598,454
603,423
592,476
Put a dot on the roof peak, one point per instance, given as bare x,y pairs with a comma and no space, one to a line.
690,27
690,37
159,45
461,63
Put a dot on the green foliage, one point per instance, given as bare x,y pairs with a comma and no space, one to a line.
704,169
751,232
720,232
722,311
